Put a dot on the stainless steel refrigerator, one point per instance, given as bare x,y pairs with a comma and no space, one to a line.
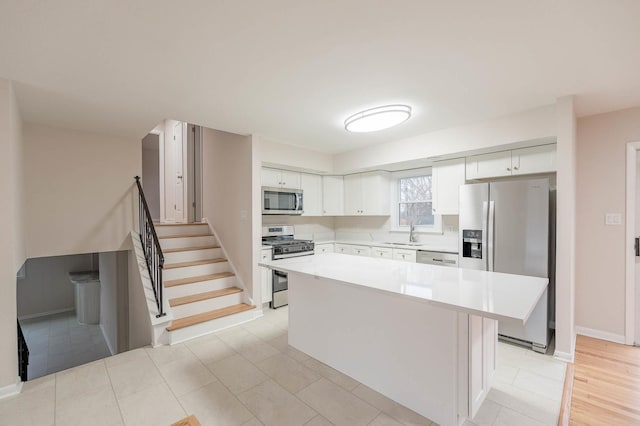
504,227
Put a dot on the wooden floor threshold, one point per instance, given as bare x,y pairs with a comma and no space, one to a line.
181,224
200,278
567,392
179,323
194,263
185,236
198,297
177,250
187,421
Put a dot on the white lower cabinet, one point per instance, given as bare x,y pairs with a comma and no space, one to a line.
382,252
266,277
404,254
482,335
323,248
353,249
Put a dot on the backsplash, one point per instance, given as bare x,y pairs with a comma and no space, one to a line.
362,228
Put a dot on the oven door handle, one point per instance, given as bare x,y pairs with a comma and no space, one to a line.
280,273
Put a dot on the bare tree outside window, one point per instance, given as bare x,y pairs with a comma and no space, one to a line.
415,200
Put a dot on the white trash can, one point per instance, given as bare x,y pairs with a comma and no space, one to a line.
87,294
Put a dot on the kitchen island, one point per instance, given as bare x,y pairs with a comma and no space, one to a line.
422,335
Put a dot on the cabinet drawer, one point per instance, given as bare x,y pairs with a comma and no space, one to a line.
403,254
361,250
382,253
323,248
343,248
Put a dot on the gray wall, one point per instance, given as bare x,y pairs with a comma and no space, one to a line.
46,287
151,173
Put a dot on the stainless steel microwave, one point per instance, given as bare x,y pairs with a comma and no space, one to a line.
281,201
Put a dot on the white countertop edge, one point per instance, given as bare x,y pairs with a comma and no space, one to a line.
451,306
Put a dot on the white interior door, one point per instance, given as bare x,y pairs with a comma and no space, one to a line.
637,259
179,172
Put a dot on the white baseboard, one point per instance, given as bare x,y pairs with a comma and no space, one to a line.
598,334
45,314
563,356
12,389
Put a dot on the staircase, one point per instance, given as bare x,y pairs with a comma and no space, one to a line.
204,294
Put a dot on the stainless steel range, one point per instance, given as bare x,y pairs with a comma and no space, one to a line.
281,238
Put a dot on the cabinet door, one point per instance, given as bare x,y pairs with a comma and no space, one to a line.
266,278
361,251
375,192
271,177
311,194
343,249
447,177
536,159
489,165
290,179
482,343
353,195
332,196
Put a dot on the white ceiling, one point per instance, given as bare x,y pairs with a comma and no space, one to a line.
293,70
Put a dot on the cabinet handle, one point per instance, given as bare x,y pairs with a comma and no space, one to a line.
508,169
515,168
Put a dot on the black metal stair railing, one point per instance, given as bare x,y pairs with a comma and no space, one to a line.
23,355
151,247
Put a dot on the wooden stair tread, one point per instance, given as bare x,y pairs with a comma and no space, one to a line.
191,280
194,263
203,296
179,323
186,236
180,224
187,421
176,250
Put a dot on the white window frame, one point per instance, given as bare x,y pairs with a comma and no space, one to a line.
436,228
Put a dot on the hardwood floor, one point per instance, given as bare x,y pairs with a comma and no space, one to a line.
606,385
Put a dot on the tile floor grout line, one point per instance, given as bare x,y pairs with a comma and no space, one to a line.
114,392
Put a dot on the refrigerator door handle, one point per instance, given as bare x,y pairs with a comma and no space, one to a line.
491,236
485,212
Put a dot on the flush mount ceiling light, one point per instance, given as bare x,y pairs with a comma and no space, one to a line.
379,118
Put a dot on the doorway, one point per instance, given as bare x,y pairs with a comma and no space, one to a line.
194,173
632,240
151,173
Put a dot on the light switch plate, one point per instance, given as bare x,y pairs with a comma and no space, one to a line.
613,219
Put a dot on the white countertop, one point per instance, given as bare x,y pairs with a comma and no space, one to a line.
488,294
428,247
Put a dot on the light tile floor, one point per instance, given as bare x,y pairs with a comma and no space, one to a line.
248,375
58,342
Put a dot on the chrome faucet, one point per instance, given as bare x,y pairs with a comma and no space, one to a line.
412,235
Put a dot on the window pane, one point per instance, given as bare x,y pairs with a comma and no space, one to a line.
414,189
416,213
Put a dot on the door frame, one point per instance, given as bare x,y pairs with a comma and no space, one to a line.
160,133
630,288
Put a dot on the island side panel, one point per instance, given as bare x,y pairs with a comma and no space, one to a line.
404,349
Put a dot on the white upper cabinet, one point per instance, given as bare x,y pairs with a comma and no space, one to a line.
280,178
367,194
447,177
523,161
332,196
537,159
311,194
489,165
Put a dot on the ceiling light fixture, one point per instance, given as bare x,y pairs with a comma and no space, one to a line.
379,118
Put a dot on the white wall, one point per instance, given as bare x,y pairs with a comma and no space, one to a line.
114,299
528,125
46,287
278,154
151,173
565,228
12,250
227,191
79,189
600,249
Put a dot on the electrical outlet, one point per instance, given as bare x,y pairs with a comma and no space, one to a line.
613,219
